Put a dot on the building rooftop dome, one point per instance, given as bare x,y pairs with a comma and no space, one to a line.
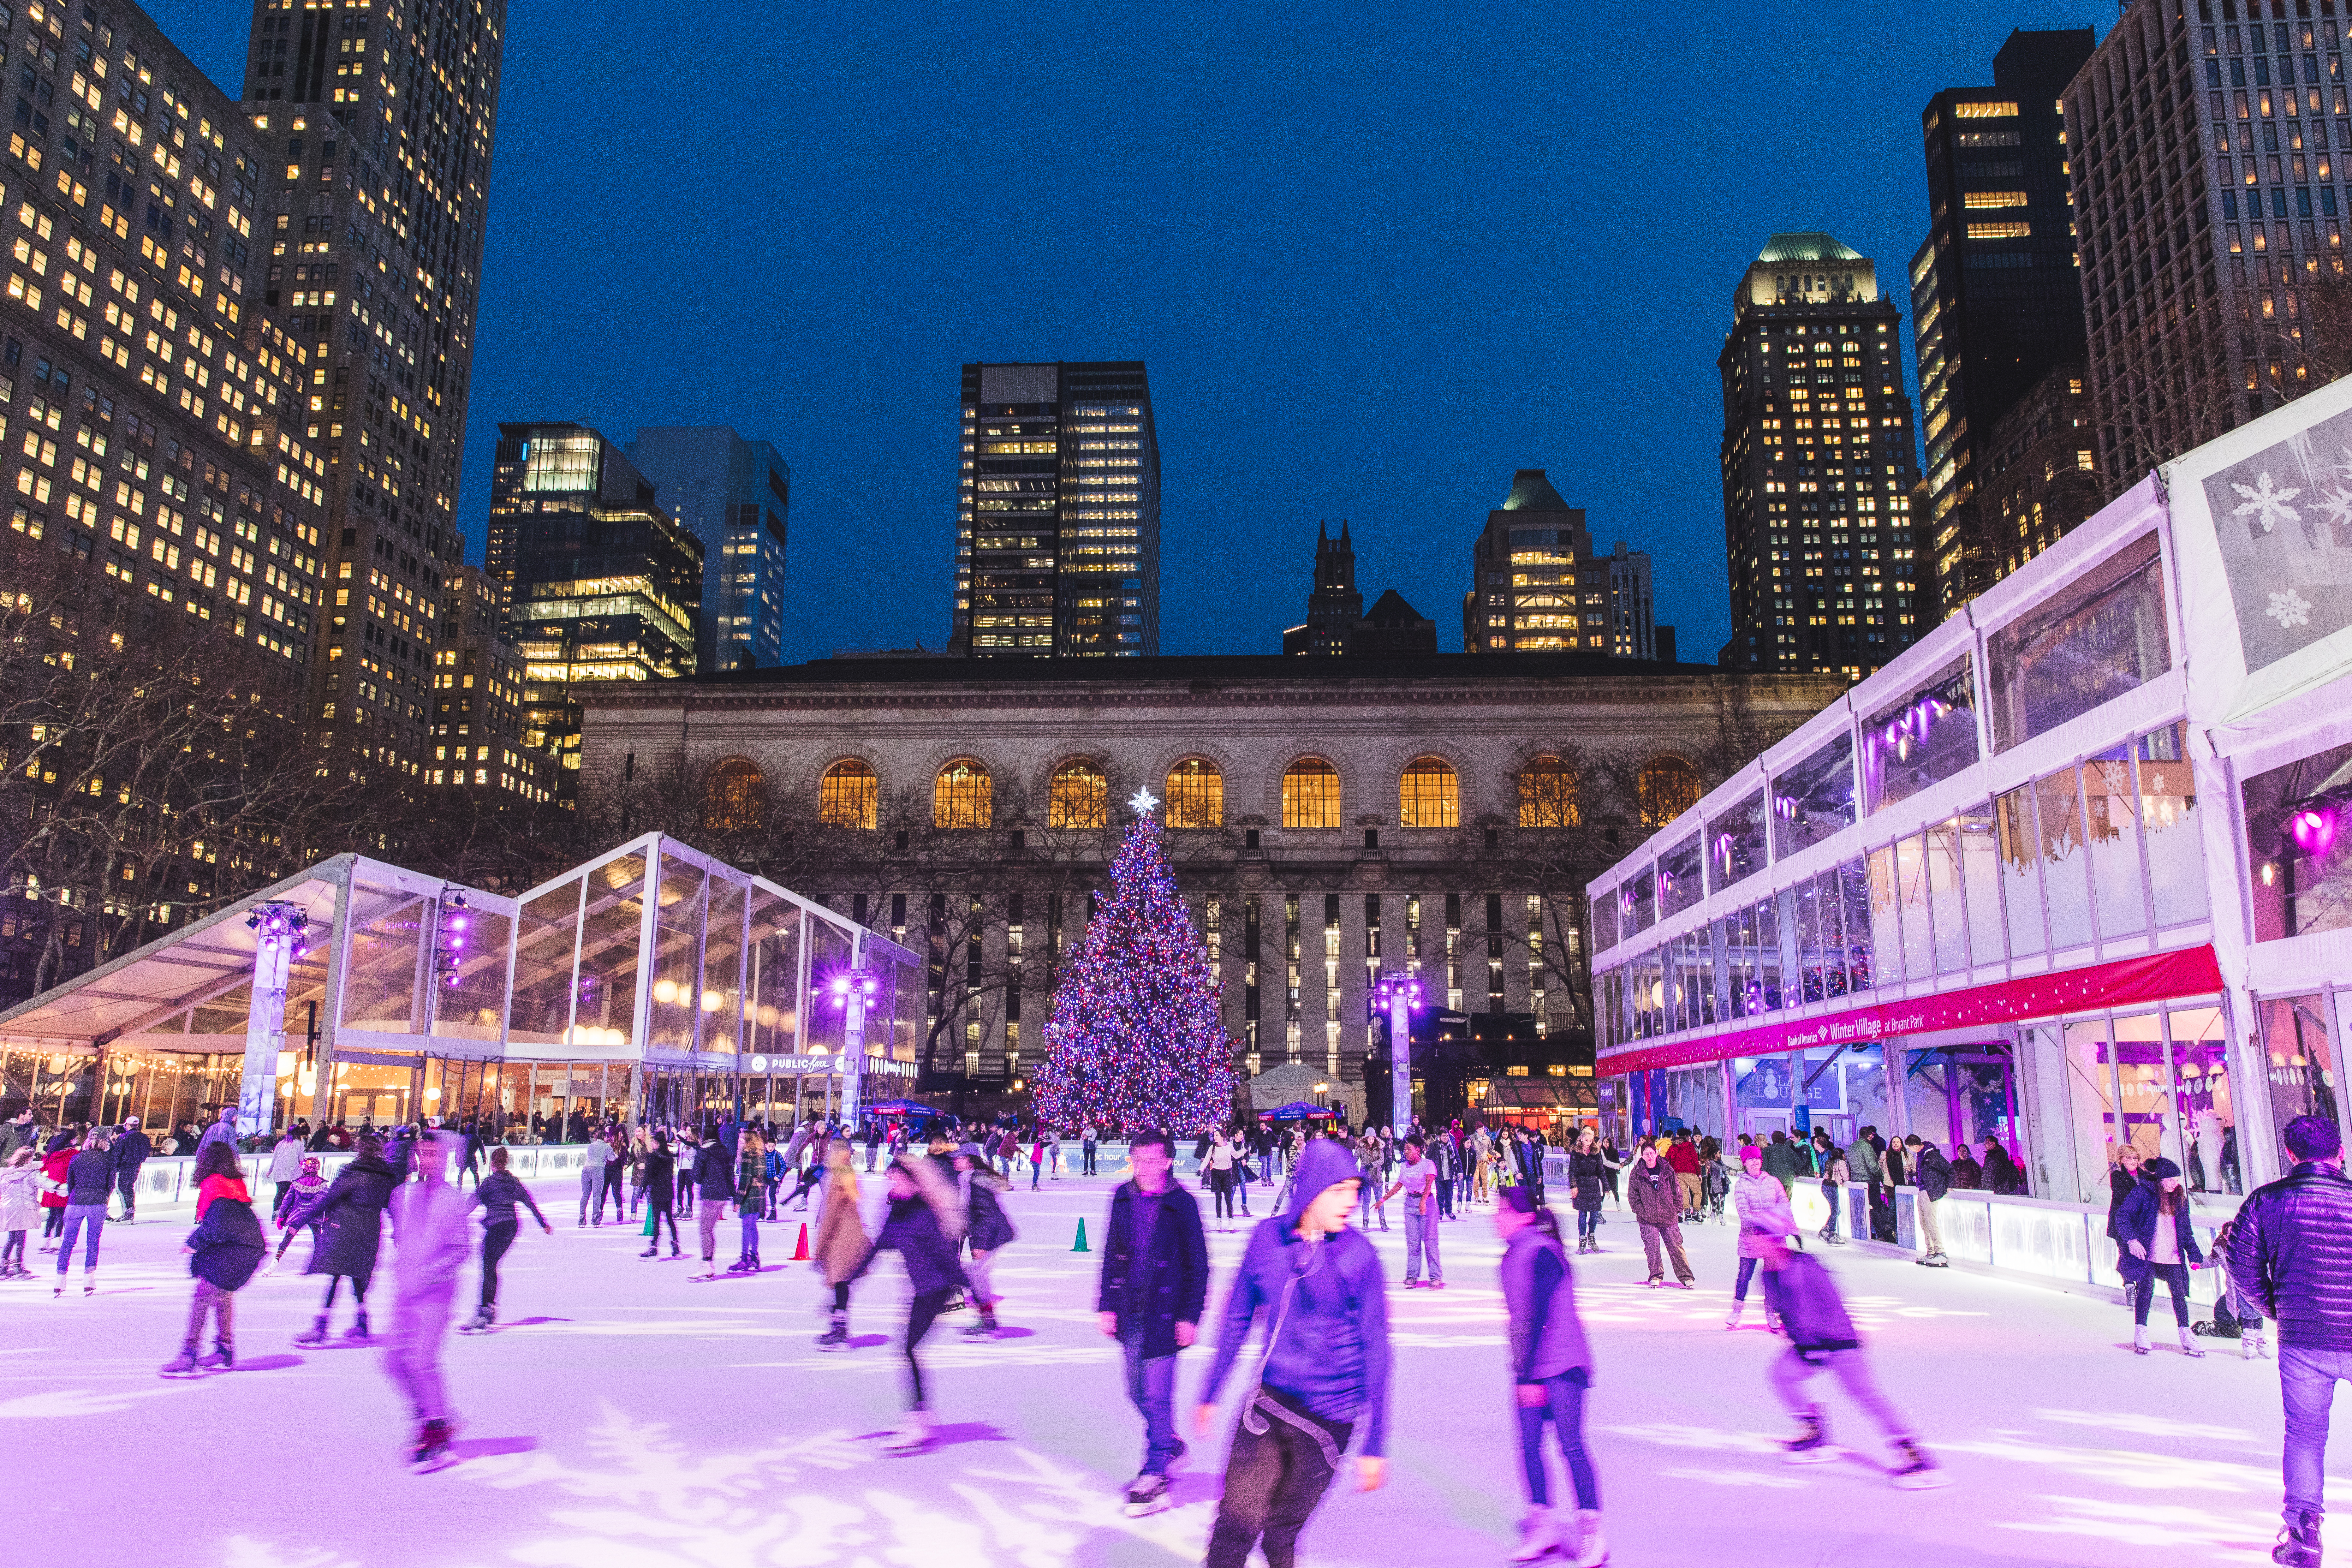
1807,248
1530,491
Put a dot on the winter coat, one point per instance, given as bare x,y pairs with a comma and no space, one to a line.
430,1238
714,1172
1588,1174
90,1177
1967,1176
1781,1163
911,1229
2000,1173
2137,1220
1763,1206
1862,1161
2120,1183
1934,1175
1326,1309
53,1176
840,1241
286,1160
750,1175
130,1151
20,1196
985,1225
1812,1313
16,1135
352,1210
1177,1282
2291,1255
226,1241
1835,1172
661,1179
1539,1294
1653,1193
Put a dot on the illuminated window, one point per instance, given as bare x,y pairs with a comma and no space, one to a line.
1999,230
1669,787
1547,794
1310,795
1983,111
731,799
1978,200
1429,794
963,795
1080,797
1196,795
845,796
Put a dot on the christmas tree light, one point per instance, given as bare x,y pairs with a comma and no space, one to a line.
1137,1040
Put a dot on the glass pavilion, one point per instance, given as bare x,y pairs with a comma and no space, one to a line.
654,982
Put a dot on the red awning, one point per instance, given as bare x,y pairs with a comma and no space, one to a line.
2189,972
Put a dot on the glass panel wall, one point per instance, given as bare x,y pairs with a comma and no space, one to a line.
541,1008
2205,1109
1679,887
2065,876
1736,842
469,1001
2101,635
1979,851
1927,736
2091,1107
722,966
1943,839
2143,1087
2298,855
2299,1045
2020,871
611,929
2167,812
381,977
2111,807
671,1010
1813,799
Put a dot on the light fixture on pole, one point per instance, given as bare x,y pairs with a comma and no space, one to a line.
852,988
1399,993
278,941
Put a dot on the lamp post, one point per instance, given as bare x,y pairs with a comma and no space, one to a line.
278,941
852,988
1399,993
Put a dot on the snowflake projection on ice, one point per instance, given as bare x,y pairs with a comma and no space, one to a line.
647,1496
2265,505
2289,608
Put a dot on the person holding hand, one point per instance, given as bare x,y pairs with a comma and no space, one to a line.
1153,1287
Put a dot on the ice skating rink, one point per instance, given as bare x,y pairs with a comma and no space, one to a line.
623,1416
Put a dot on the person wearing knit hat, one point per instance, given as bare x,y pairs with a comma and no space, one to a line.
1760,1204
2160,1243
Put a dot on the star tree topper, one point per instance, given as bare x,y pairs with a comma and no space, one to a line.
1142,801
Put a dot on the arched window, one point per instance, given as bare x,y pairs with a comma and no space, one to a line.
845,796
1547,794
1080,797
1196,795
1429,794
1310,795
1669,788
963,795
731,798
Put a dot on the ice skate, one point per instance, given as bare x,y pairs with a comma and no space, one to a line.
1590,1548
432,1451
316,1335
89,1283
480,1323
357,1334
837,1334
983,1329
2140,1340
912,1437
181,1365
2298,1544
1738,1310
223,1359
2190,1347
1540,1535
1145,1495
2256,1345
1917,1472
1810,1446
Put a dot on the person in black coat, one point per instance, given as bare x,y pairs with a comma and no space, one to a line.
985,1229
130,1150
352,1210
225,1250
2160,1243
714,1183
924,1225
1154,1286
661,1196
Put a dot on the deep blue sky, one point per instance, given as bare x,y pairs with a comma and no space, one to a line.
1376,258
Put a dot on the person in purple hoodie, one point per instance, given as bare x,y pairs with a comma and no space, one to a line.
1325,1368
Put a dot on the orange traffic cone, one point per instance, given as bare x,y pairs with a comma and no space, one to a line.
800,1253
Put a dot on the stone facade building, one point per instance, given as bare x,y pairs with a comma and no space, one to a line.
1329,819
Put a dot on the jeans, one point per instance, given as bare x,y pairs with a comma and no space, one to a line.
2175,1279
1273,1480
1564,1408
751,1234
976,1276
221,1305
591,1190
78,1216
1088,1148
1151,1386
1588,1224
127,1184
1747,1266
1036,1169
496,1239
2307,1379
1220,1182
1420,1240
1794,1370
1829,1190
1445,1197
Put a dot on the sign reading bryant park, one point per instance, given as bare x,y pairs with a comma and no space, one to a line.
2261,524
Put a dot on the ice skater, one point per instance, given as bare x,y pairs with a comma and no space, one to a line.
496,1196
20,1200
750,1184
1551,1369
89,1176
1822,1338
1154,1285
349,1220
924,1226
223,1251
986,1231
661,1197
2159,1244
1760,1204
1326,1368
840,1241
429,1221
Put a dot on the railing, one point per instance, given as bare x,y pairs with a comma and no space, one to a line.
163,1180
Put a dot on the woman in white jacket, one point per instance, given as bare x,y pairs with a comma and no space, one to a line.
1762,1204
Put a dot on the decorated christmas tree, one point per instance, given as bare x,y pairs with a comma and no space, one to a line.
1136,1040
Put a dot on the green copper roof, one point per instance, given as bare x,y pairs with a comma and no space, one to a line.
1530,491
1808,247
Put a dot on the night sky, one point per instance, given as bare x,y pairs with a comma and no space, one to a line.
1375,258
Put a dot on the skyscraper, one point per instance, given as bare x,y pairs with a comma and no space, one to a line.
1058,513
378,122
1996,305
1534,583
595,581
735,496
2208,155
478,728
1817,474
1333,605
1632,610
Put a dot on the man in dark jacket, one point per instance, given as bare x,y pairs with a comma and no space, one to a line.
1325,1367
130,1151
1653,1192
1154,1284
1931,1174
22,1133
2292,1255
1781,1160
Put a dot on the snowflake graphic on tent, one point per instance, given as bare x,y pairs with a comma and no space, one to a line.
2289,608
2265,505
2337,505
